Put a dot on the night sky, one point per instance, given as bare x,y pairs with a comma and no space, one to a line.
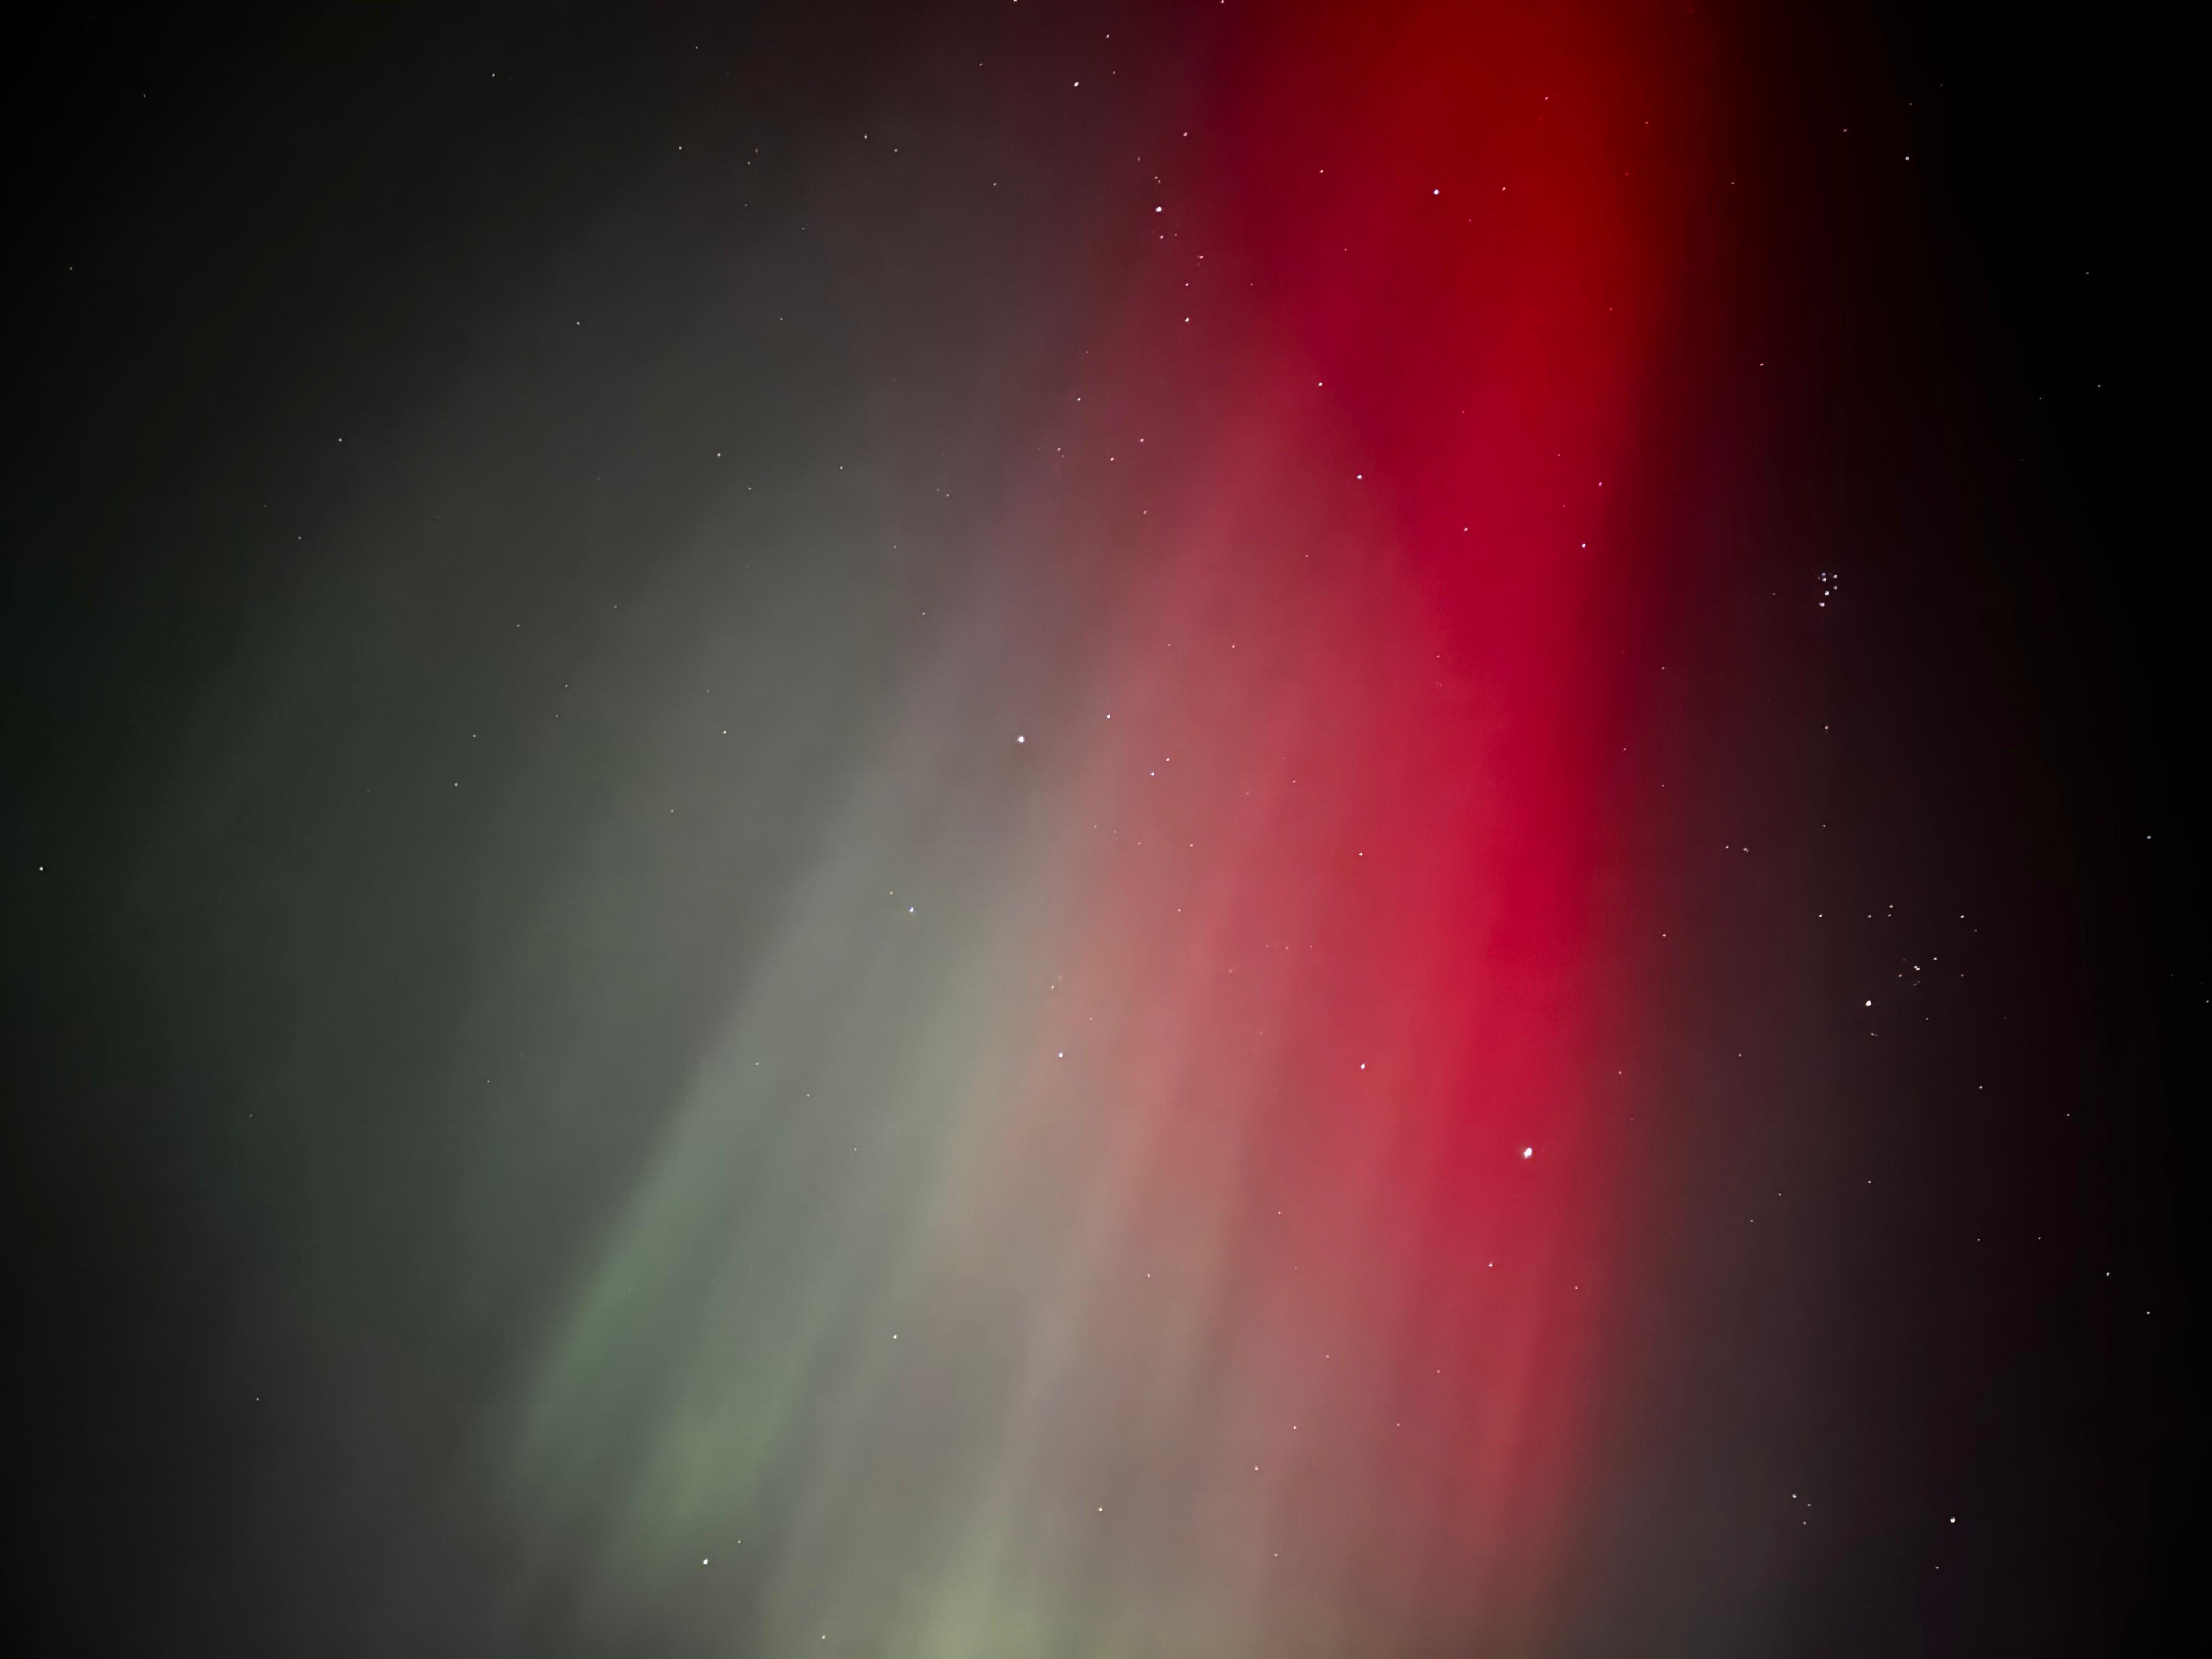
1203,828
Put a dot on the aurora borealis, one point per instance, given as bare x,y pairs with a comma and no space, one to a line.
1027,830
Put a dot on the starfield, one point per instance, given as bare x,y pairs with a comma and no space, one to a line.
1009,829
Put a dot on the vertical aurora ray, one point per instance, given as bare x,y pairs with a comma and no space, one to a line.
1151,1194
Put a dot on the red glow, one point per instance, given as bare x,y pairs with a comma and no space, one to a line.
1320,1069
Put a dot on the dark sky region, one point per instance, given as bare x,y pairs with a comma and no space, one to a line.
1027,828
